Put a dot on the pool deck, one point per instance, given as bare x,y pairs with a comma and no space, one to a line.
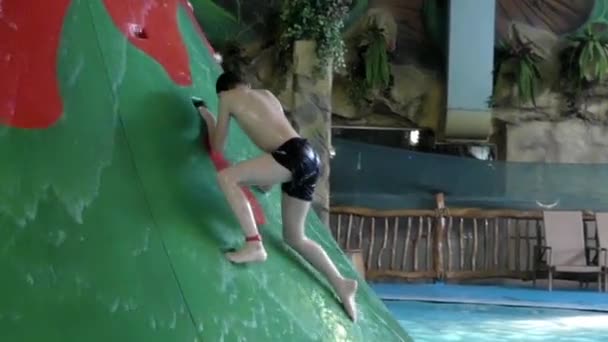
579,299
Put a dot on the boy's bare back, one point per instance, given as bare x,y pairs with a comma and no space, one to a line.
260,114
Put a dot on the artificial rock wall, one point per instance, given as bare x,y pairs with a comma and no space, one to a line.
568,141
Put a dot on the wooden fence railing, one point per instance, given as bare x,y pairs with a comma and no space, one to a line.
443,243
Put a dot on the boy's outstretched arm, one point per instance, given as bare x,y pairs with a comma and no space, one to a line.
217,131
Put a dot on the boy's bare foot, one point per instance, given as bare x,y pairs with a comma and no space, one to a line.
347,291
252,252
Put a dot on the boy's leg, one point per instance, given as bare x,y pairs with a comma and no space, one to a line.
294,213
263,171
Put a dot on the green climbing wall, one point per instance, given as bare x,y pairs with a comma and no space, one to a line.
112,224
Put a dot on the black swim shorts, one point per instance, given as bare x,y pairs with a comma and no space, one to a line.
298,156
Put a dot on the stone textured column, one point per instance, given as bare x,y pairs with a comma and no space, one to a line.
311,115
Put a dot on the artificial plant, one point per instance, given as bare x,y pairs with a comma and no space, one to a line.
371,70
318,20
523,56
377,70
584,62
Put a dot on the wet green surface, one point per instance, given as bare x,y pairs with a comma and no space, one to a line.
112,223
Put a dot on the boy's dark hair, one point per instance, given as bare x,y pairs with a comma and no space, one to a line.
228,80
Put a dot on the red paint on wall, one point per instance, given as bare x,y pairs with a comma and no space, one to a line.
152,26
30,32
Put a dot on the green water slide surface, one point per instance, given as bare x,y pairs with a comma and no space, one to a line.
112,224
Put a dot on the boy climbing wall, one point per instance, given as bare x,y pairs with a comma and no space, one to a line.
288,159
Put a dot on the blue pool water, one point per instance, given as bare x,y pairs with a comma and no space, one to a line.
437,322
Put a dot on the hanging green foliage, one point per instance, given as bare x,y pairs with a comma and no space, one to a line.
525,61
377,69
371,71
584,63
529,77
321,21
586,59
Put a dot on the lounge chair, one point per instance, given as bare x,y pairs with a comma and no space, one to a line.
601,220
565,248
